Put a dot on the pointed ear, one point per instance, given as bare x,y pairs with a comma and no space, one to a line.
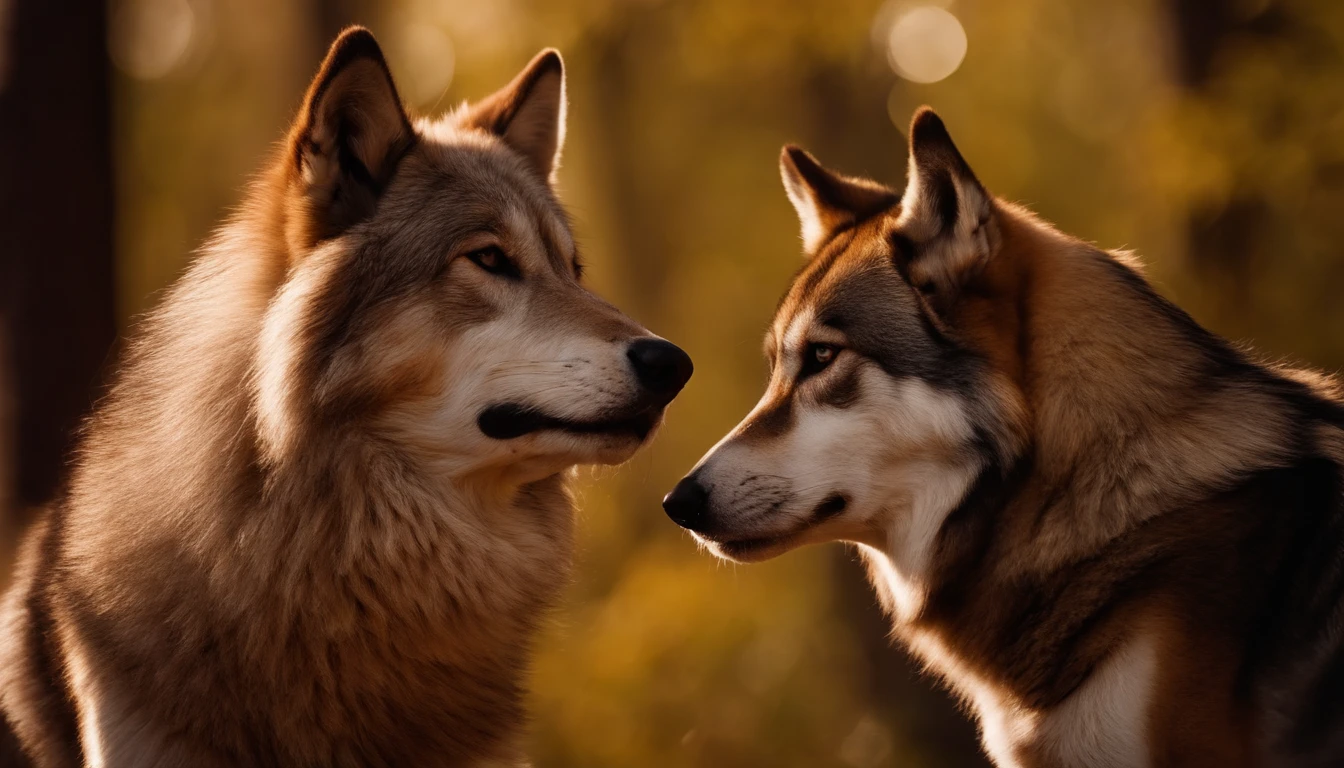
528,114
345,142
826,201
947,216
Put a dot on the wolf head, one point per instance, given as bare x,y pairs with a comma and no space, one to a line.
431,289
884,402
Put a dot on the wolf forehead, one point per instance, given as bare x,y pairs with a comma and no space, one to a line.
855,285
454,184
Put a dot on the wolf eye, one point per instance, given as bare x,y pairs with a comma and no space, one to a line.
493,260
817,358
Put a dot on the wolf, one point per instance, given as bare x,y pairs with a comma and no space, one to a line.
322,510
1116,537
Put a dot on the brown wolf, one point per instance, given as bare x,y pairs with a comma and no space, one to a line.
319,516
1117,538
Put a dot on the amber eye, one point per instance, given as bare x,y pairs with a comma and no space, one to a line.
817,358
493,260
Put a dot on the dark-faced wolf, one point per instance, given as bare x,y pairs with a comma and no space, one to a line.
1119,539
319,516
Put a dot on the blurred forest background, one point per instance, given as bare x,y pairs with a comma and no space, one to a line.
1208,136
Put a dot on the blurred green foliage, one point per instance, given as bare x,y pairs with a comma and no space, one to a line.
1228,182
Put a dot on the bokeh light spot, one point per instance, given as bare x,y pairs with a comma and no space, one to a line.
148,39
428,58
926,44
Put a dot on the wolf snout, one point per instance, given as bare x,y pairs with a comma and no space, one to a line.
688,504
661,367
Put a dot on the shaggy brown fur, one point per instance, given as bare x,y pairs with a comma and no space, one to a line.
1116,537
288,537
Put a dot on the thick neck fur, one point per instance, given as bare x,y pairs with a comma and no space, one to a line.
1133,409
414,596
1130,409
1133,414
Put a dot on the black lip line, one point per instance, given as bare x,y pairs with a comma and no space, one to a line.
830,507
510,420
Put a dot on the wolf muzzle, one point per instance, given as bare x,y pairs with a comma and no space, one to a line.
662,370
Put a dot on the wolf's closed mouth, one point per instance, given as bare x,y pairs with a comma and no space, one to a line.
509,420
744,546
753,549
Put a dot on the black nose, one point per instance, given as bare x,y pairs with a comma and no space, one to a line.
687,504
663,369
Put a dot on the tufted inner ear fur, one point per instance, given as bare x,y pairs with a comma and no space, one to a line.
345,143
826,201
528,114
946,215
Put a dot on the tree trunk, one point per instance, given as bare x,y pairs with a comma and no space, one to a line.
1221,239
56,268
